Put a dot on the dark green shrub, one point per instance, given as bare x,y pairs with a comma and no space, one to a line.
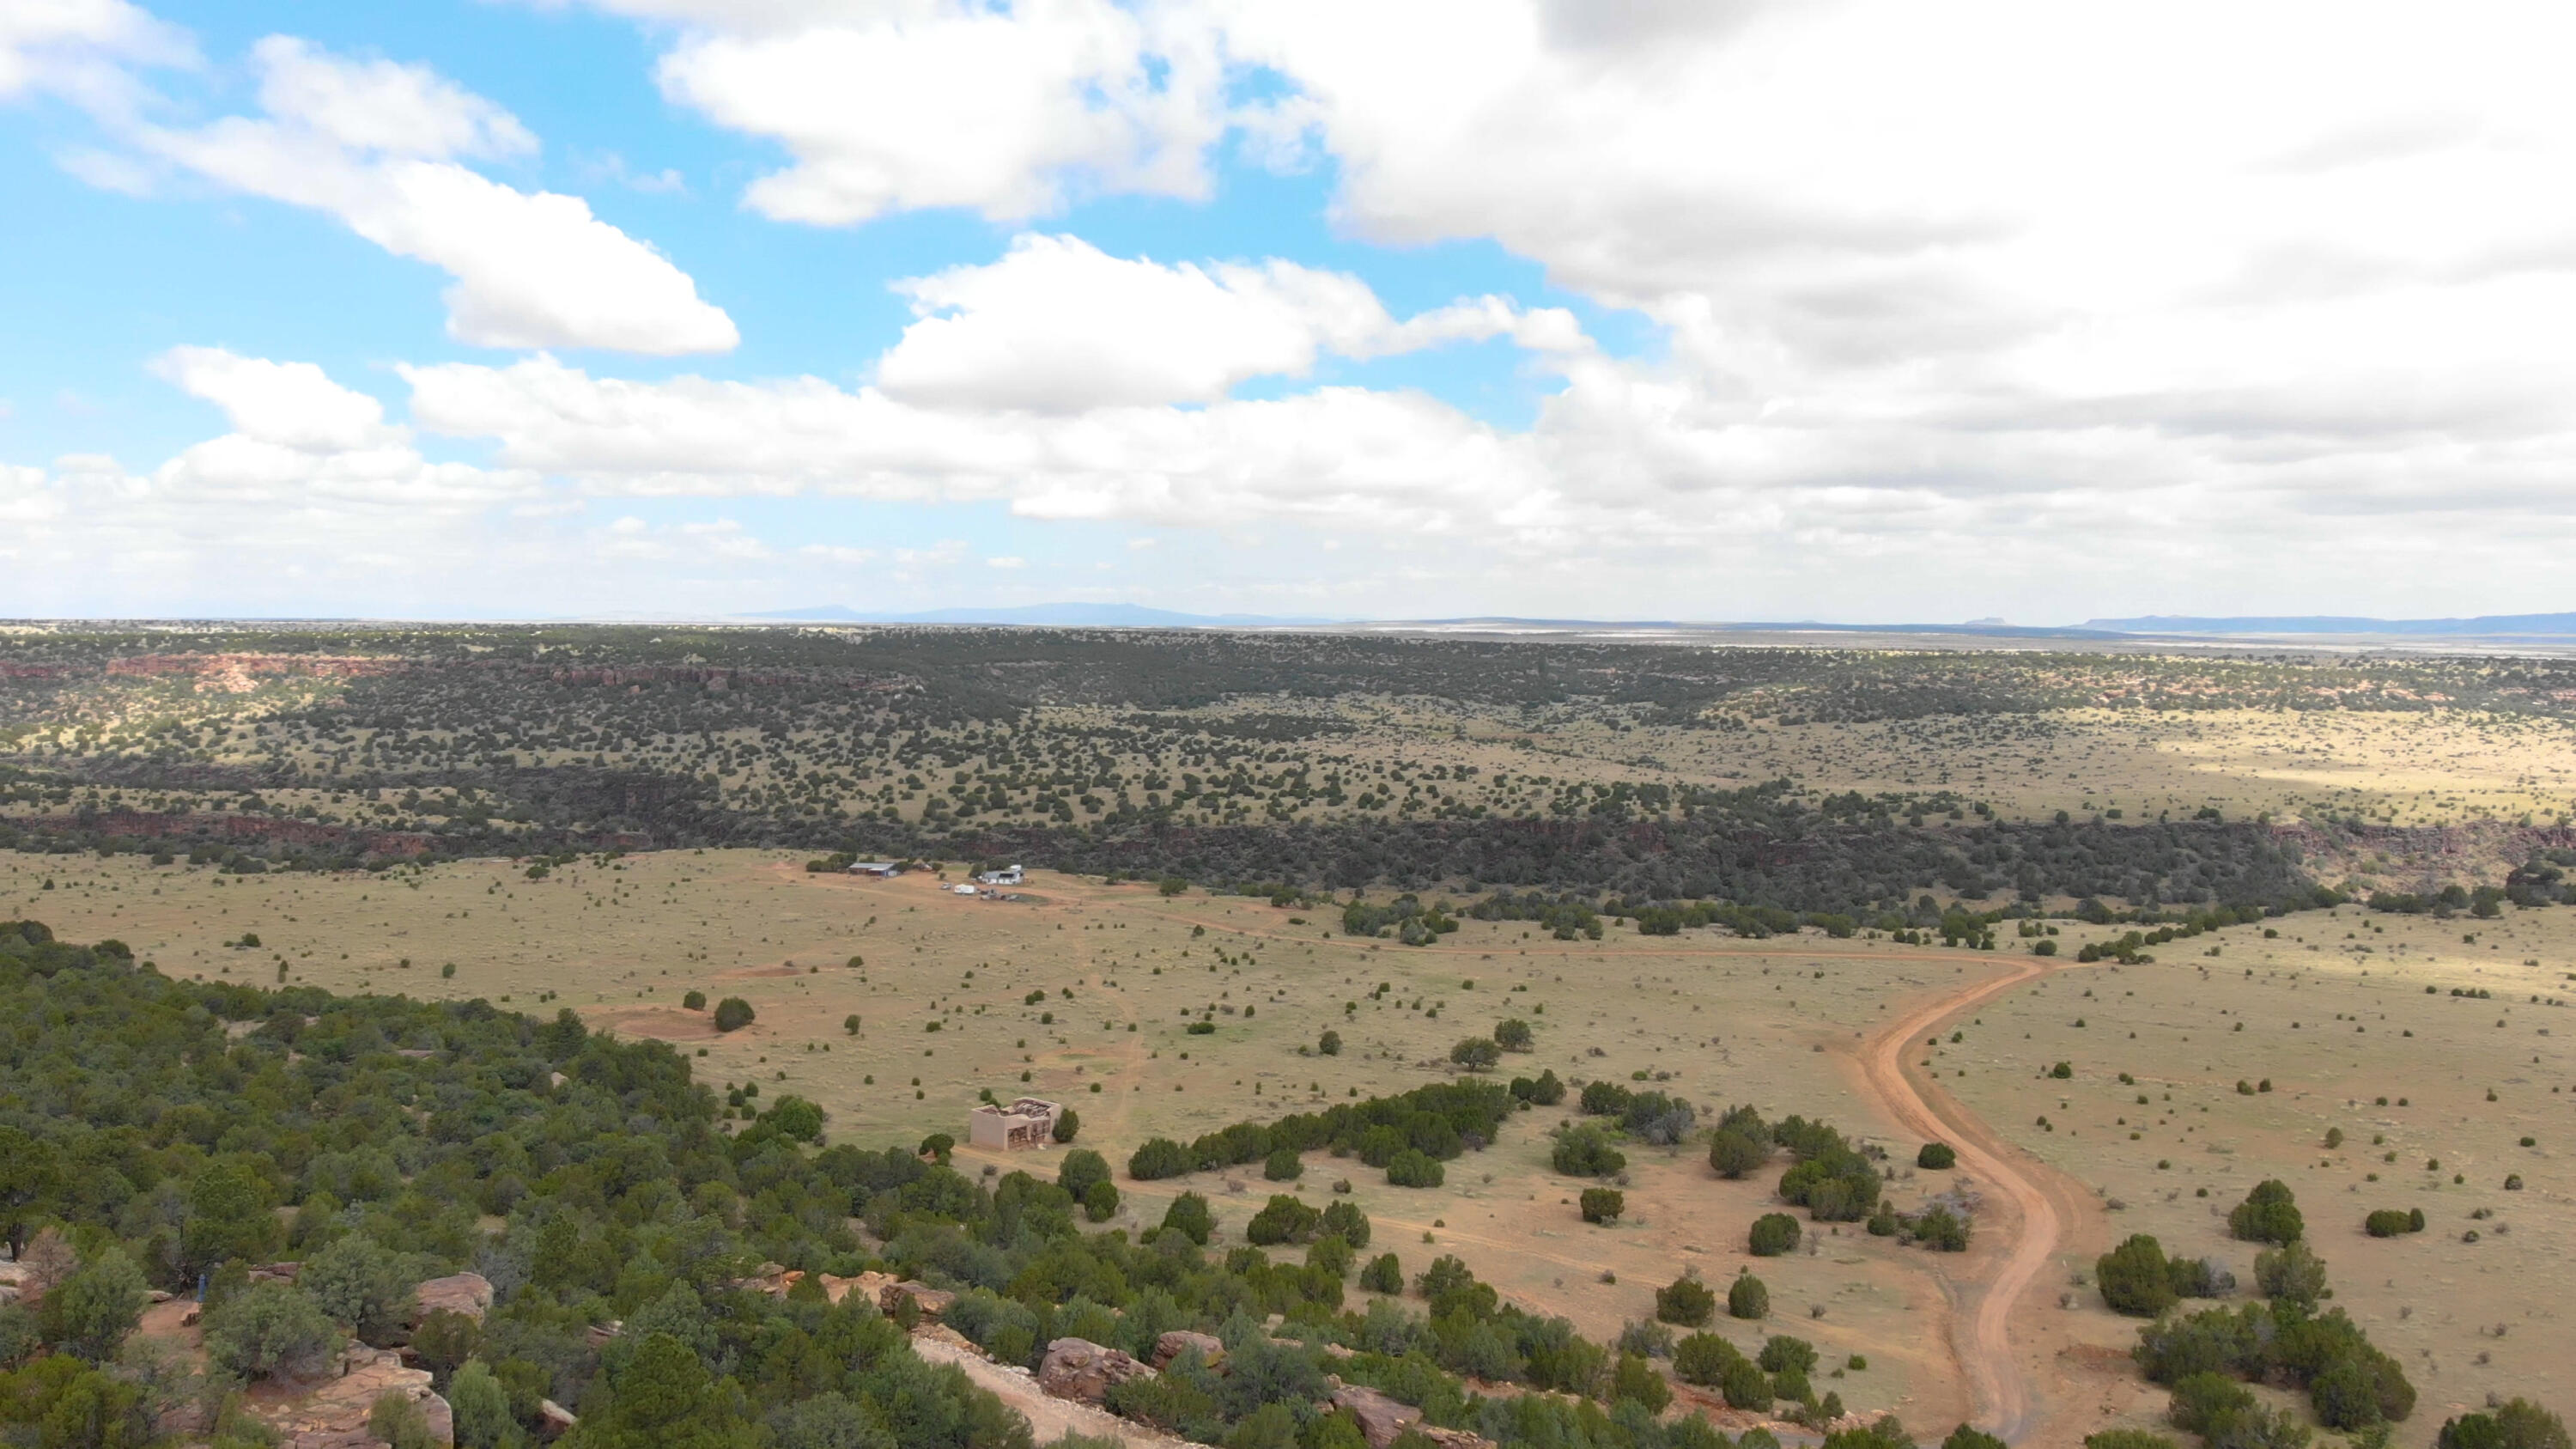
1734,1155
1782,1353
1383,1274
694,1001
2202,1398
1744,1384
1476,1053
2269,1214
90,1312
1158,1158
1686,1301
1702,1359
1282,1220
1603,1204
1584,1150
2291,1273
1545,1090
1937,1157
2390,1223
1941,1230
1080,1169
1189,1216
1345,1221
733,1014
1283,1165
269,1330
1414,1167
1067,1123
2135,1278
1100,1201
1747,1298
1635,1379
1773,1234
2516,1424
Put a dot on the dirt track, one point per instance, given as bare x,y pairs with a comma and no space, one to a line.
2036,1207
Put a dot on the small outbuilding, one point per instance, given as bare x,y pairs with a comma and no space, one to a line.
877,869
1027,1122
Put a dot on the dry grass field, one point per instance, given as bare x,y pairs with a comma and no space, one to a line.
2333,1012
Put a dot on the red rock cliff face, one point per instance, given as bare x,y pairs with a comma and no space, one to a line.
254,666
235,827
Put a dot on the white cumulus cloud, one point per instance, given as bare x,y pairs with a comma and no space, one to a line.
376,144
1059,326
1008,108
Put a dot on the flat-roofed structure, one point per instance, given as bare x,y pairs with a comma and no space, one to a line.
1027,1122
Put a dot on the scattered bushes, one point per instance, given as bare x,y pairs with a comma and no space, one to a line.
2515,1424
1440,1121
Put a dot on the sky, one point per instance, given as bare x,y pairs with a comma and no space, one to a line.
1848,310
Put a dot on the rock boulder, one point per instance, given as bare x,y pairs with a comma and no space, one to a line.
931,1301
1077,1368
1172,1345
334,1414
1380,1418
466,1293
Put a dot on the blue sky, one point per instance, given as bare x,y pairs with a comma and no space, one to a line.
637,307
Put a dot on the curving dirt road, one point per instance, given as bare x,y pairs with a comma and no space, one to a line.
2039,1204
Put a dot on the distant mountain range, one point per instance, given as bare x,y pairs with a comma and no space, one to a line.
1137,616
2485,625
1061,616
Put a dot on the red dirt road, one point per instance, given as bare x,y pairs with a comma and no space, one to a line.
2029,1211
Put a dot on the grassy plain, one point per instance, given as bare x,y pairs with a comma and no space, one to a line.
1777,1023
2335,1014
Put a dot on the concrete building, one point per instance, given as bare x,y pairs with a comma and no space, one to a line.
1028,1122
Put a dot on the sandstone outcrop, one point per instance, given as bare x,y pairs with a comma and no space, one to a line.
1172,1345
1077,1368
1380,1418
467,1293
334,1414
